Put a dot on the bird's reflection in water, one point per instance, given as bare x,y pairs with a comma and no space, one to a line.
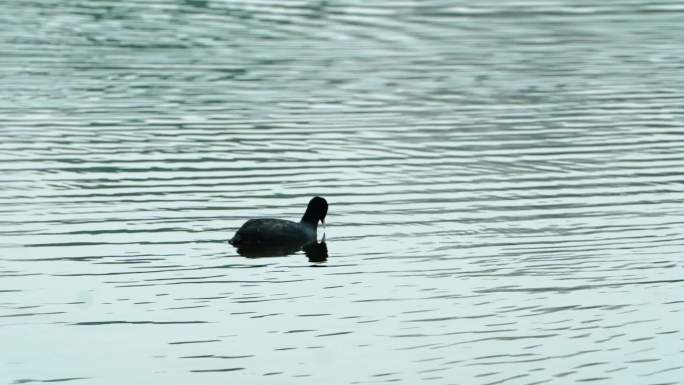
317,252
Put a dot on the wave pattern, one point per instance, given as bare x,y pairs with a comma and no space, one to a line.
506,183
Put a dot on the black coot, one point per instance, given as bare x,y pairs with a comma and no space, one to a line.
269,233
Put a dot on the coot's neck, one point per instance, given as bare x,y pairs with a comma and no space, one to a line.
310,219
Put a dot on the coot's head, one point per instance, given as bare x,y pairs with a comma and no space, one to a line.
315,211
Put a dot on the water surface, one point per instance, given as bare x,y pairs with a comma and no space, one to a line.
505,183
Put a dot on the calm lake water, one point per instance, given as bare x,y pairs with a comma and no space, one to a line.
505,179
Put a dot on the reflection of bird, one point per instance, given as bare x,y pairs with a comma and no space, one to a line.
316,252
265,234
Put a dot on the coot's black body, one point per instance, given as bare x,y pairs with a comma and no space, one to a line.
269,233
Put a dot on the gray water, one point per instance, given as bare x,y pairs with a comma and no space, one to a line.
505,181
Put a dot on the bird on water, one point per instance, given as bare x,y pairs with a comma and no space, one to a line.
264,233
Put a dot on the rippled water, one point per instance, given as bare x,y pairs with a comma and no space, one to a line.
505,181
